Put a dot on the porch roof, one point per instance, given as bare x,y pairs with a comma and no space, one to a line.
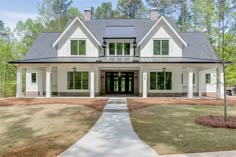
133,60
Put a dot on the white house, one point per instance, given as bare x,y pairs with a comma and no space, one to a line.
140,57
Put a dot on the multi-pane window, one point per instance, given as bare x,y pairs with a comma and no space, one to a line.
33,78
112,48
127,48
208,78
161,47
160,80
78,47
119,49
77,80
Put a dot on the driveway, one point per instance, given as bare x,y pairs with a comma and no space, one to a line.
111,136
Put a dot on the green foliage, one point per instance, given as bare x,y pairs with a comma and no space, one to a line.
54,14
104,11
165,7
131,9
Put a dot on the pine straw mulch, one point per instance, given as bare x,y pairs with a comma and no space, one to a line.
138,103
96,103
217,121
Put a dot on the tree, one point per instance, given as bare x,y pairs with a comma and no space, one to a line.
28,31
4,31
54,14
104,11
74,12
131,8
165,7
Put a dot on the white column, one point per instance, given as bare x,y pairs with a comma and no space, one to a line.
19,82
92,91
40,83
190,83
48,81
144,84
200,84
221,83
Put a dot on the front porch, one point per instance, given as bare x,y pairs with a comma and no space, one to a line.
156,80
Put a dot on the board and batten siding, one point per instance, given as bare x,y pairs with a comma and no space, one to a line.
161,32
77,32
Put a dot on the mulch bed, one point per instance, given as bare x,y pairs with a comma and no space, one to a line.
217,121
96,103
137,103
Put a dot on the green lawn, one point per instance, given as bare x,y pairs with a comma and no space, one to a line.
43,130
171,129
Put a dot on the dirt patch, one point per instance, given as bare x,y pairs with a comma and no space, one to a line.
217,121
138,103
95,103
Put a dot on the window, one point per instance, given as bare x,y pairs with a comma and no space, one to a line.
208,78
77,80
78,47
160,80
119,48
161,47
33,78
112,48
74,47
193,78
127,48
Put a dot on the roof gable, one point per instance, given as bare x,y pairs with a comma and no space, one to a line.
171,28
70,27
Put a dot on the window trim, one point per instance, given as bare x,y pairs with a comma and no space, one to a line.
35,78
81,79
78,45
161,39
206,78
123,48
164,81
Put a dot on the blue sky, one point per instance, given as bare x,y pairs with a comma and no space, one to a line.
11,11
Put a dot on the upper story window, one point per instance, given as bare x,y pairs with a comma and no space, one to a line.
161,47
119,49
78,47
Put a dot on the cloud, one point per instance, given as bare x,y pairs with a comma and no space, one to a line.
10,18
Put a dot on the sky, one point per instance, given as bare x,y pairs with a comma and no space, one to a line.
12,11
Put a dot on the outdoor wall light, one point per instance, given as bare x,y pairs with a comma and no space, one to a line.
164,69
74,69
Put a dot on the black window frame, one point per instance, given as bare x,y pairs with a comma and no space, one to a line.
33,77
163,80
158,48
79,82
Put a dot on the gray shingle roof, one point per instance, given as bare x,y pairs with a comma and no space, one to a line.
42,46
99,27
198,46
199,49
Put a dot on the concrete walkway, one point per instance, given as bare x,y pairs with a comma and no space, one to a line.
207,154
111,136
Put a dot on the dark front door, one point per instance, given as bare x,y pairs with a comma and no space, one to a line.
120,83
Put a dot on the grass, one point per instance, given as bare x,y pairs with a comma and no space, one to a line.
171,129
43,130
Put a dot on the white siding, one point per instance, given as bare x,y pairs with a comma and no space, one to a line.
62,80
77,32
161,32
